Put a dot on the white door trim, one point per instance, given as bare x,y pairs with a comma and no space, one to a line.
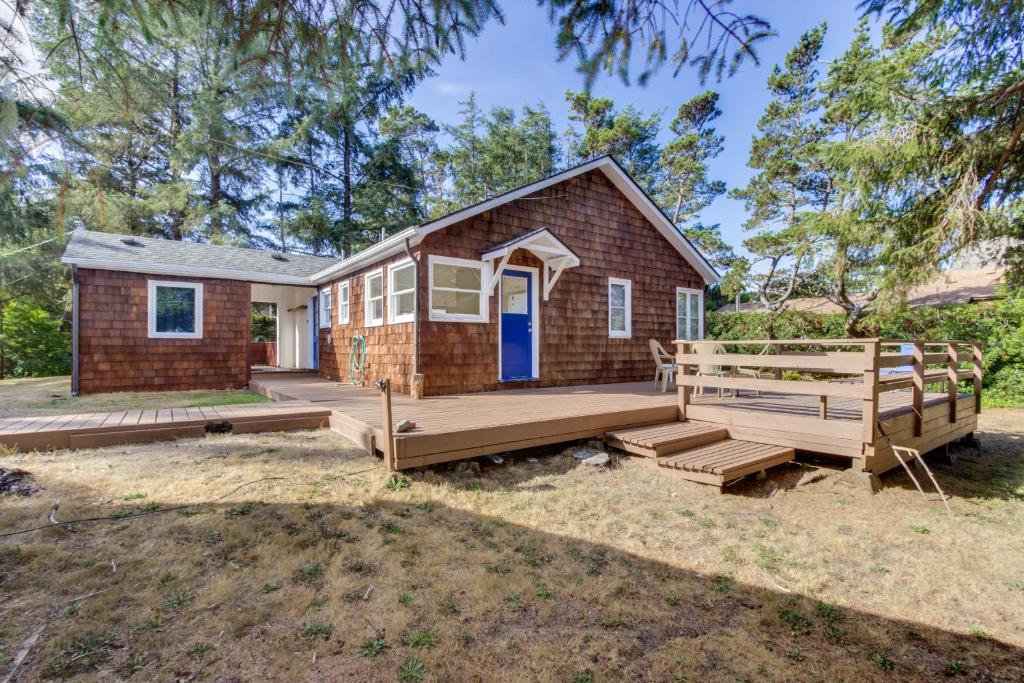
534,320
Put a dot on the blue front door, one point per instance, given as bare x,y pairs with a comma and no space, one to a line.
517,325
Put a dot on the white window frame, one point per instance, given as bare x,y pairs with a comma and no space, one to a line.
324,308
197,287
367,320
699,293
485,277
628,286
393,293
344,297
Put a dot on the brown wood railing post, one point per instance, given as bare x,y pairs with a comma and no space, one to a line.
918,389
778,352
682,369
385,409
869,413
823,407
952,381
978,376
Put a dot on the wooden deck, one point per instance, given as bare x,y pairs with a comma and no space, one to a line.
93,430
856,413
468,425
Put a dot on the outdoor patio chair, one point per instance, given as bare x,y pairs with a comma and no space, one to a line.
755,373
664,363
707,370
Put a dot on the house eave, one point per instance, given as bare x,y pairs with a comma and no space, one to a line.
186,271
382,250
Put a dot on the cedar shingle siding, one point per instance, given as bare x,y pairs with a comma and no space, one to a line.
388,347
611,238
116,353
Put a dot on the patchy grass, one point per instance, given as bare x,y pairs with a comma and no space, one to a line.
535,571
52,396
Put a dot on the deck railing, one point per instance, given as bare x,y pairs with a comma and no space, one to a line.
837,368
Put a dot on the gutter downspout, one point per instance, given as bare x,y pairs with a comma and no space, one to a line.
74,330
416,385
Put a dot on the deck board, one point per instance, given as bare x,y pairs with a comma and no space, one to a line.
84,430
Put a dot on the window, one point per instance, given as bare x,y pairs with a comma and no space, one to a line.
689,313
373,288
401,292
175,310
620,308
343,303
325,307
457,289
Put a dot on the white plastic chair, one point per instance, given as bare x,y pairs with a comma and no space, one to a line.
664,363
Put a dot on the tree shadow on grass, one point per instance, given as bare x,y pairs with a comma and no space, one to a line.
252,590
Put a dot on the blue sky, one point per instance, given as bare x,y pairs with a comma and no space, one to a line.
516,63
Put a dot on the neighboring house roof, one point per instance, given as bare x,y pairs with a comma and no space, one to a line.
107,251
606,164
952,287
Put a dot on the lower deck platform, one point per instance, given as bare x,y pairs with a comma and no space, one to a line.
466,425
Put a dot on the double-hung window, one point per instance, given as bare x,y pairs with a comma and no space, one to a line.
175,310
343,303
325,307
373,298
457,289
401,292
620,308
689,313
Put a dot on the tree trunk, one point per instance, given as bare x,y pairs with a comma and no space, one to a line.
346,191
177,216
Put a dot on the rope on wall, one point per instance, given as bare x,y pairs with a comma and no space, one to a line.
357,360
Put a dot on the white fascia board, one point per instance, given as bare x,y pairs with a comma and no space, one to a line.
650,211
623,182
389,247
186,271
471,211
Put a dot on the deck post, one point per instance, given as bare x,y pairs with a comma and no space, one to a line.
978,376
952,381
918,389
823,407
779,349
682,369
385,409
869,413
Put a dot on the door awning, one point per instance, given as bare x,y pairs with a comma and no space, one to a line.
555,256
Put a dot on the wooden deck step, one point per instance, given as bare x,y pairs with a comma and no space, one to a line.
722,461
657,440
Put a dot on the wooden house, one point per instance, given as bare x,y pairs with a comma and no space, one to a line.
560,282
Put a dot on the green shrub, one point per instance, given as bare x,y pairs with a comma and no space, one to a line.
34,345
997,325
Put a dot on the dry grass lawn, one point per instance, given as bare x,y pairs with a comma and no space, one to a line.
534,571
52,396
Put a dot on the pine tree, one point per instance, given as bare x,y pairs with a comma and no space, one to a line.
791,183
627,134
687,190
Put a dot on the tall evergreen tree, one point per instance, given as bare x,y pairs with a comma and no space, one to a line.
791,183
627,134
687,190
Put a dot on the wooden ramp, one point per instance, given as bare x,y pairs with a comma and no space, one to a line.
700,451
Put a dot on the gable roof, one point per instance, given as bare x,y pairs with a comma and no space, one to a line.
107,251
606,164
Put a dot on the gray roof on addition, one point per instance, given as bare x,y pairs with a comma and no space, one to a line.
107,251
